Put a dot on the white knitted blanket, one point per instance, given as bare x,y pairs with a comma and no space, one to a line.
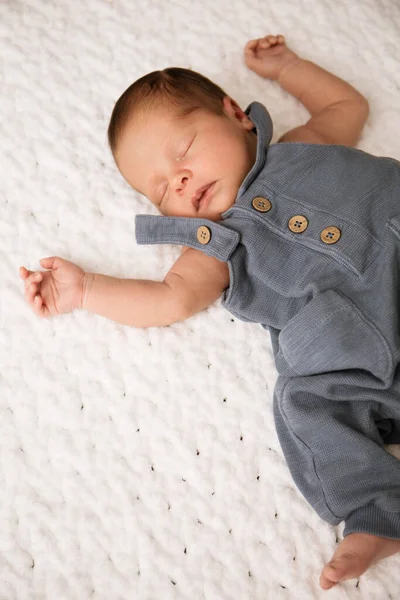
144,464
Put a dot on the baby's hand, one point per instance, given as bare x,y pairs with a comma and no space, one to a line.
56,291
267,56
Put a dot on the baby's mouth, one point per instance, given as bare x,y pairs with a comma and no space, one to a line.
202,195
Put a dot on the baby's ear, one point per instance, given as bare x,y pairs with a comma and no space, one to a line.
233,110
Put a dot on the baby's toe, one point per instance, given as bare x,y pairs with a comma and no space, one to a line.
325,582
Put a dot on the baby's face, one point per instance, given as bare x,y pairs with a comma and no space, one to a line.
188,166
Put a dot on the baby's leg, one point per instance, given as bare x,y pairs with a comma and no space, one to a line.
336,455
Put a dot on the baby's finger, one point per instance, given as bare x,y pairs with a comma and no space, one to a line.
50,262
24,273
39,307
32,285
30,292
267,41
34,277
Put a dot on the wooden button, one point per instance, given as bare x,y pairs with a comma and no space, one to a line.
330,235
203,234
298,224
261,204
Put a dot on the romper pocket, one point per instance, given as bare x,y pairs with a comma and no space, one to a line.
331,334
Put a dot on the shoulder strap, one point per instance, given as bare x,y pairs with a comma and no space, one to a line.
219,241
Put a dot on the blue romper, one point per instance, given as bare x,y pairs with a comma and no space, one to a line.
313,248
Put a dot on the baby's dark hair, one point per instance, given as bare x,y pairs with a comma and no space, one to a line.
182,89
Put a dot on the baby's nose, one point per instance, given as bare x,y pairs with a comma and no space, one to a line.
180,183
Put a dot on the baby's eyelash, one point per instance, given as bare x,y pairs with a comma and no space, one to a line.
187,149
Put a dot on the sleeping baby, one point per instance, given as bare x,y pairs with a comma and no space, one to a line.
301,236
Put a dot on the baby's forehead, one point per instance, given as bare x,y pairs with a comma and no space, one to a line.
151,120
175,115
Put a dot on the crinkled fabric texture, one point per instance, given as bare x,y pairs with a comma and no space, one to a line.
144,463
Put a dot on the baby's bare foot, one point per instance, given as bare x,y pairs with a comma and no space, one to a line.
267,56
356,553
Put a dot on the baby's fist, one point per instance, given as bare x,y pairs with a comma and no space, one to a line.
267,56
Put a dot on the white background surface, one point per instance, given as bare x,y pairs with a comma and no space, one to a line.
143,464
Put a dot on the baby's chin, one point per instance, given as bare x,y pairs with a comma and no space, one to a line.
221,205
228,204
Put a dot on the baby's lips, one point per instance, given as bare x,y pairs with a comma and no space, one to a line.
197,196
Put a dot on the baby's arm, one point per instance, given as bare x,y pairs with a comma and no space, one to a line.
338,111
193,282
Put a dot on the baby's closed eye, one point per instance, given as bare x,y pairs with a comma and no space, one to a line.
187,147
